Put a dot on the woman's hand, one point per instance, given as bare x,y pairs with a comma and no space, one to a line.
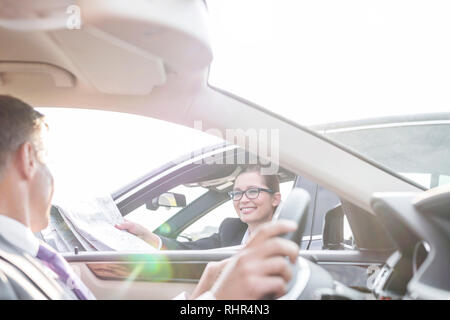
140,232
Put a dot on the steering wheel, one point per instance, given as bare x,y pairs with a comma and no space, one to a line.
295,208
307,276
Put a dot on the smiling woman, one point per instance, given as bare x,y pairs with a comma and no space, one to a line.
255,199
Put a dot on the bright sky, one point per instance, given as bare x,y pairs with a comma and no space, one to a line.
94,152
325,61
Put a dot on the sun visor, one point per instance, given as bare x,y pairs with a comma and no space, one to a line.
117,47
111,65
174,30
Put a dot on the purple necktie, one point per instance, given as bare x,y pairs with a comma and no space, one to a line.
66,274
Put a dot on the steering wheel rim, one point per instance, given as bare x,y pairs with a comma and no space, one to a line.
295,208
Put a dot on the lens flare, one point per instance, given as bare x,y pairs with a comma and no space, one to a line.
150,269
165,228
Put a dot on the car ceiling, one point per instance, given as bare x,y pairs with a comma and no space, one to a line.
122,58
152,58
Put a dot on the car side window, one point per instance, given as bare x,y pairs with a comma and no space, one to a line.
209,224
323,202
349,240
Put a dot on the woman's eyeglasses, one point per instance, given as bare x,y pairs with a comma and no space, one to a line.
251,193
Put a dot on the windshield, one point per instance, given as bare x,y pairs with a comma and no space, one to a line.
321,62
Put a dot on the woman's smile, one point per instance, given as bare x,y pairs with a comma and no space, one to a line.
247,209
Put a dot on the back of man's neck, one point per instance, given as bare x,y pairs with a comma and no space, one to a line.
13,207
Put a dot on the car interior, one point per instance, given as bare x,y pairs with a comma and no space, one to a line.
152,59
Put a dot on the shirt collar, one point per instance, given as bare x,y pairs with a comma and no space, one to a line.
245,238
19,235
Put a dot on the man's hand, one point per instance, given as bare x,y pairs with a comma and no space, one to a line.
140,231
209,277
261,268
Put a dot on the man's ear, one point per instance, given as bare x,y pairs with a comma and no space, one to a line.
276,199
26,160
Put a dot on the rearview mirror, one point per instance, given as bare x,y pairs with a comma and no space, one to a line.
168,200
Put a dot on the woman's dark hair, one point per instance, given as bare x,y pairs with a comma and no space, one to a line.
270,180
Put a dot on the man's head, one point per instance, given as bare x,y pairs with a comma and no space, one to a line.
25,181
